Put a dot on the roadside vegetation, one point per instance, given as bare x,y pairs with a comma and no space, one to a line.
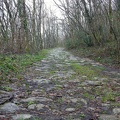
12,65
105,55
86,70
92,28
24,34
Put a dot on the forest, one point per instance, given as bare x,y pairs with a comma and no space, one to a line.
26,27
93,24
29,28
60,65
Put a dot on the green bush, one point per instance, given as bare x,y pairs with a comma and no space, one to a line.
80,39
71,44
88,41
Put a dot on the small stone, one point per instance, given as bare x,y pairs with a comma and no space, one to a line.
40,81
75,100
94,83
50,89
70,109
86,88
31,107
43,99
105,105
40,106
66,85
35,93
82,61
116,110
69,91
91,109
22,117
36,99
10,107
109,117
84,101
32,99
56,111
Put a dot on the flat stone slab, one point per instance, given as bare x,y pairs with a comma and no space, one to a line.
9,107
92,83
32,107
40,81
36,106
116,111
70,110
36,99
5,97
74,100
40,106
109,117
84,101
22,117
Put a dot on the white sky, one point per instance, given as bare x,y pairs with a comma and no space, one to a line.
51,5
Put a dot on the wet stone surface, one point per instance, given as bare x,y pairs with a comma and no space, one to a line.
52,90
22,117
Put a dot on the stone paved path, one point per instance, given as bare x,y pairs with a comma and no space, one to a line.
53,90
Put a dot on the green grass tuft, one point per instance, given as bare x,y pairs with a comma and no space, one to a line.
84,70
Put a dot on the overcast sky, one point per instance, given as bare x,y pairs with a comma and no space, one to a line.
51,5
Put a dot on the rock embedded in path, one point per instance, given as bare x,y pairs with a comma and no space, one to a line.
84,101
22,117
109,117
116,111
36,99
36,106
74,100
70,110
40,106
9,107
65,85
92,83
37,92
5,97
31,99
105,104
32,107
50,89
41,81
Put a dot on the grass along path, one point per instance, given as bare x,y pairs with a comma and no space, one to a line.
12,65
65,87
